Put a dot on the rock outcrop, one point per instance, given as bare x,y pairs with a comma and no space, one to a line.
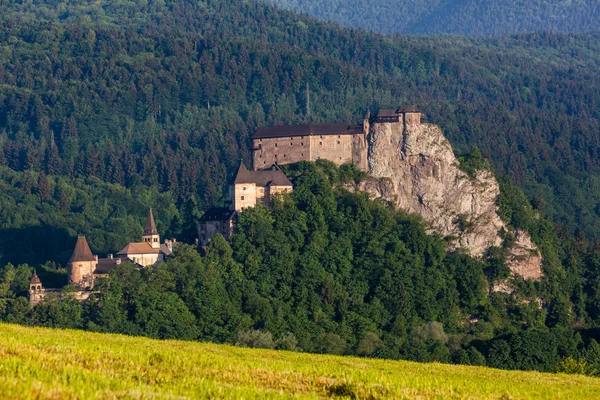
414,167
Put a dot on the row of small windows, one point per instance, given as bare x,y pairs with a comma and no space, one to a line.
291,138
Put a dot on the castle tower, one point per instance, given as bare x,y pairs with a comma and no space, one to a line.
151,235
367,122
242,193
81,265
36,290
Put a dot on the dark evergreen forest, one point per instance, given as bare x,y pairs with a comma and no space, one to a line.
328,270
108,108
457,17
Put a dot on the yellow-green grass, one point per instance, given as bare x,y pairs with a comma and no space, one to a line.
66,364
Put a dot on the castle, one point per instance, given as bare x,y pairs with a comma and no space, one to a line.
340,143
247,189
84,268
278,145
271,146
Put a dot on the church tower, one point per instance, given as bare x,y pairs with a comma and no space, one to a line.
81,265
151,235
36,290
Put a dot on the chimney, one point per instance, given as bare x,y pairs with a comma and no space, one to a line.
110,256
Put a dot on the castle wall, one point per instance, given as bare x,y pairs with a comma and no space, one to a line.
360,149
341,149
146,260
208,229
244,196
81,273
36,295
412,118
283,150
336,148
274,190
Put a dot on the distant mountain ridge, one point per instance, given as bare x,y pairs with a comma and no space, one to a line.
457,17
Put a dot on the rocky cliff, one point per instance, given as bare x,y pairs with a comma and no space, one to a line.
415,168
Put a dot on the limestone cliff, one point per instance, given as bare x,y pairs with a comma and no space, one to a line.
414,167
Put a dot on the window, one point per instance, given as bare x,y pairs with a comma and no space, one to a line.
284,155
291,144
338,142
302,144
275,144
264,162
155,239
260,156
339,136
302,154
321,143
242,197
244,188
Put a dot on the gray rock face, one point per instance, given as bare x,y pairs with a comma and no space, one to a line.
415,168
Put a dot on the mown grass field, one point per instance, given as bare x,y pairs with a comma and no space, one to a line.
38,363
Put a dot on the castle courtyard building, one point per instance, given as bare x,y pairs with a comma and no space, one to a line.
248,189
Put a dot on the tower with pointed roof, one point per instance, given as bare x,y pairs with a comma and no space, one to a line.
36,290
151,235
81,265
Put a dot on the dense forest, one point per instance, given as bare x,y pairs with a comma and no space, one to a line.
328,270
166,95
457,17
107,108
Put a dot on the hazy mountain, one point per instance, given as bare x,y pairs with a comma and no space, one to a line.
459,17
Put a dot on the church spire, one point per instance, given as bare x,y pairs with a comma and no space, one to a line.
150,228
151,235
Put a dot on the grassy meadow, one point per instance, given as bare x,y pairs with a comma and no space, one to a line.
40,363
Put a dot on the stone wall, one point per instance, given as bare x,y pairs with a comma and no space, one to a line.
146,260
336,148
81,273
208,229
288,150
244,196
283,150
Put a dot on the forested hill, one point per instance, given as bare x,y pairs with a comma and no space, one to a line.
111,89
458,17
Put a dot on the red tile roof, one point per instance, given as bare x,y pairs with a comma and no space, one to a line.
267,177
305,130
82,251
138,248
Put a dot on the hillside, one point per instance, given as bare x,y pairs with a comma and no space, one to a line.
46,363
110,90
457,17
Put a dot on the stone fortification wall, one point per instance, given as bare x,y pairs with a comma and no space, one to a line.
81,273
350,148
336,148
245,195
282,150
